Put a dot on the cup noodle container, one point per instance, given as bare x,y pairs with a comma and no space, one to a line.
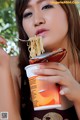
45,95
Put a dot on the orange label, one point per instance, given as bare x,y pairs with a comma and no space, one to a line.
43,92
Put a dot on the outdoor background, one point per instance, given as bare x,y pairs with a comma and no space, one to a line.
8,25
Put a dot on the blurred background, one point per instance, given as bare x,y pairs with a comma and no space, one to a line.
8,27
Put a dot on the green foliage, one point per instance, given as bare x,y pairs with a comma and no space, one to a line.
8,24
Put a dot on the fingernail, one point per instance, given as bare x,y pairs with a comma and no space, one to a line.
40,78
61,92
36,68
35,71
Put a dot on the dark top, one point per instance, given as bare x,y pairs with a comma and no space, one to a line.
27,112
54,114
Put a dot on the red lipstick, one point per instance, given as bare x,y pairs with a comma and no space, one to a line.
41,31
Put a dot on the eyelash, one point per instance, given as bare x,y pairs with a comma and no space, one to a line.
30,13
27,15
47,6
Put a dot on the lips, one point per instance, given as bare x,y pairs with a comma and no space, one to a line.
41,31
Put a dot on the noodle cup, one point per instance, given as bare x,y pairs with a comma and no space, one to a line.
45,95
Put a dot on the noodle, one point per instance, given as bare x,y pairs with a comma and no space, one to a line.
35,46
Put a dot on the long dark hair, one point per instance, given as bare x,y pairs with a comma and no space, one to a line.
73,33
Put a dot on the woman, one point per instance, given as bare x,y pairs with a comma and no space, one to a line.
59,25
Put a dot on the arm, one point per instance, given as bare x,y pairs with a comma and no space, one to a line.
77,101
77,107
15,72
7,94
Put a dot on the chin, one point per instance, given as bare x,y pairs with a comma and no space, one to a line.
48,48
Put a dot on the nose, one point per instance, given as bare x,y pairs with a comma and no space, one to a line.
39,19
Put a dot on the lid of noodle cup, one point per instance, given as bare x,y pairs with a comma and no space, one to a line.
54,56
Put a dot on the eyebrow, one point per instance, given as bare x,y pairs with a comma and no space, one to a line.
38,2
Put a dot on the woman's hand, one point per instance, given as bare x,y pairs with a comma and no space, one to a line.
4,57
58,73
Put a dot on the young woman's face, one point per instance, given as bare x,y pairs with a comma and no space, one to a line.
47,20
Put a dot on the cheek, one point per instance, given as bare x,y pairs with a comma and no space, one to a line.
61,27
27,27
59,22
58,25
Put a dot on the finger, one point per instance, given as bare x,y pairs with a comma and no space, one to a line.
47,72
2,40
53,79
64,90
53,65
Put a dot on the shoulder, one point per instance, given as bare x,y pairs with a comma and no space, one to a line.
15,71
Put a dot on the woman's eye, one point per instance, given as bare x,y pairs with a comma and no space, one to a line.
47,7
27,15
